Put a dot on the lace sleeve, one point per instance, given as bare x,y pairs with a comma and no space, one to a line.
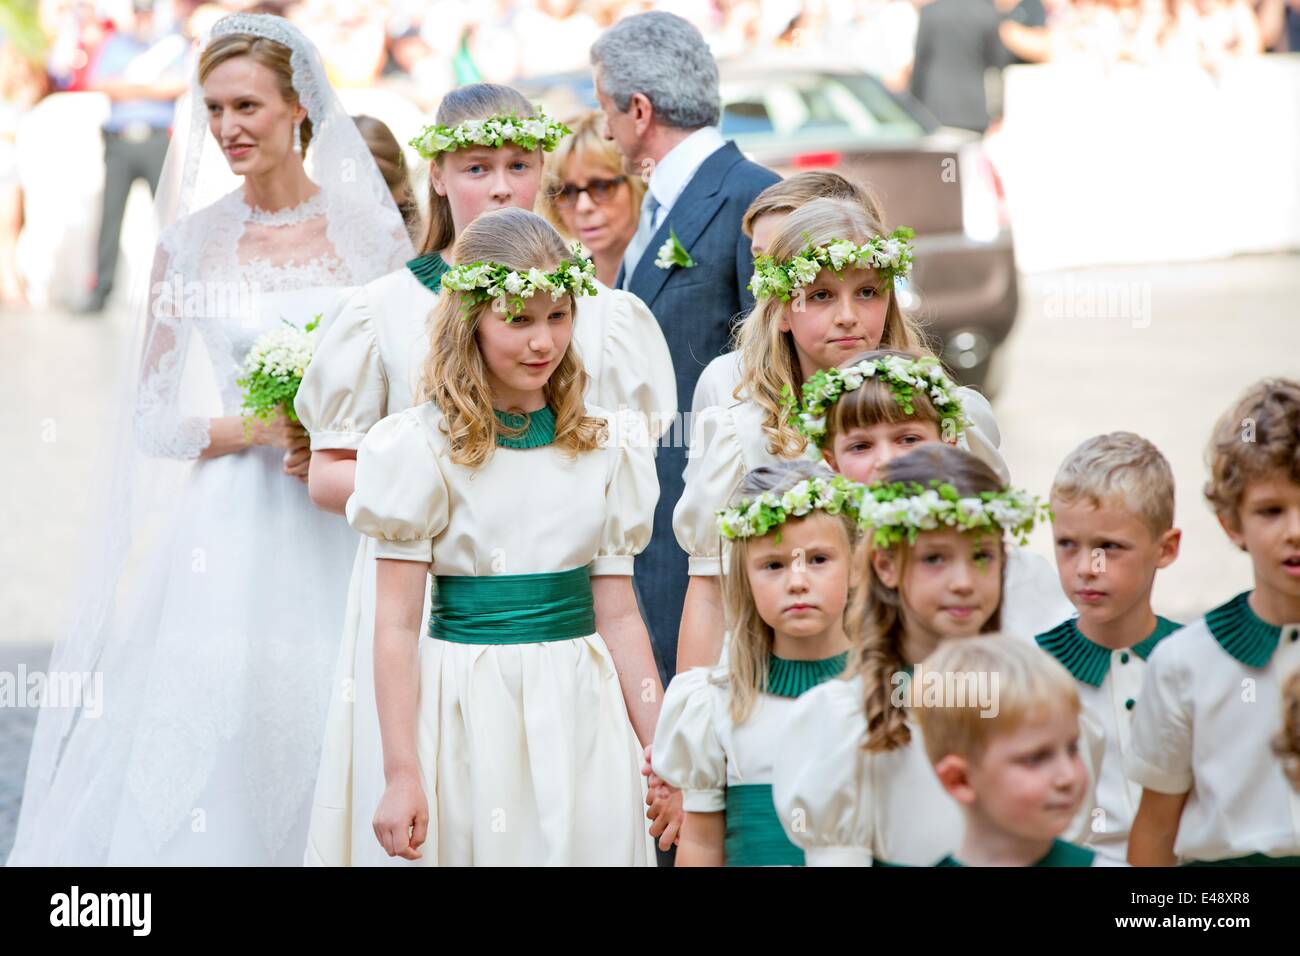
160,430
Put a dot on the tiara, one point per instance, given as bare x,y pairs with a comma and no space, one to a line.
906,377
489,281
755,517
894,511
528,132
891,255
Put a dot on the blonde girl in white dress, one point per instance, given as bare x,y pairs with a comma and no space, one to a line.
795,329
512,734
366,367
853,784
884,403
794,527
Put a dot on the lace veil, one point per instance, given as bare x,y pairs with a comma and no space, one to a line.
216,260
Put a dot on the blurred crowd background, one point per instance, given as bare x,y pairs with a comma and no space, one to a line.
946,55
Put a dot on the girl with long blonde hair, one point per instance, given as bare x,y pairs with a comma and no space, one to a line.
513,733
368,365
851,784
824,291
794,529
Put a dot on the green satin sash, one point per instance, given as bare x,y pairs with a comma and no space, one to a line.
512,608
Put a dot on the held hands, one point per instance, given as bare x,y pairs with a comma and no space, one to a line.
402,821
665,805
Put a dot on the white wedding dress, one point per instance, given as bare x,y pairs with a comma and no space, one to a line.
213,614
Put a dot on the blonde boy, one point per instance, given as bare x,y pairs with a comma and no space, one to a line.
1113,523
1012,762
1215,790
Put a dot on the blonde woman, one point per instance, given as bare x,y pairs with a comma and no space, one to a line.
588,197
512,734
367,366
786,592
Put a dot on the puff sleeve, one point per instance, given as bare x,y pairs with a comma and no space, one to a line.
714,467
821,779
1159,756
635,367
717,383
401,498
982,438
631,492
344,391
687,752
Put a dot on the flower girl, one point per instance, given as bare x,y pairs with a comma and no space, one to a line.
794,527
824,291
852,785
485,153
512,734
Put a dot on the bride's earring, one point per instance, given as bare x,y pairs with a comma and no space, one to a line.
297,139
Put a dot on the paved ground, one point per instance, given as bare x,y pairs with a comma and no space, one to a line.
1161,351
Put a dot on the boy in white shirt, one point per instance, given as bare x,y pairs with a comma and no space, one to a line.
1205,727
1113,521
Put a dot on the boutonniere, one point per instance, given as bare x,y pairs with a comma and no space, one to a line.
673,253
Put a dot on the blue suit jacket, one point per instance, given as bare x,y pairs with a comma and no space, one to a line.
696,308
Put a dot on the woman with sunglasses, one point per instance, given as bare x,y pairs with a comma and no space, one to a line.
587,197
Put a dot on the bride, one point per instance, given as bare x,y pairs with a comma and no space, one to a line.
210,615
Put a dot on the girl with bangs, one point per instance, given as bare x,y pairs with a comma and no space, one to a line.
882,404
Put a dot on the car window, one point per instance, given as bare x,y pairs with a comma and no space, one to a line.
813,105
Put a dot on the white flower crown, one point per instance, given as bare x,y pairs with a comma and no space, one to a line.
891,255
898,511
479,282
527,132
755,517
904,376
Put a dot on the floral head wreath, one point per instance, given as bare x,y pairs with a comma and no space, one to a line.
489,281
891,255
755,517
527,132
904,376
898,511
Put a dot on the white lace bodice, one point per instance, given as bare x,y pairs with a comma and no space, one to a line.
232,272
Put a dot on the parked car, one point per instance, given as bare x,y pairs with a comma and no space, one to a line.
792,116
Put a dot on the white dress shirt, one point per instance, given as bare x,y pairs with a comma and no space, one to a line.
671,174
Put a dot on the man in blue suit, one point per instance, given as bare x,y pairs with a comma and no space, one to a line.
657,83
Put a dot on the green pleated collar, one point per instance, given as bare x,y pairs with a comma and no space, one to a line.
1061,854
540,428
429,269
1241,632
1090,662
787,678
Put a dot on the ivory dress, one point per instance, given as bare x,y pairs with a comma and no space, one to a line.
367,366
527,754
722,766
846,807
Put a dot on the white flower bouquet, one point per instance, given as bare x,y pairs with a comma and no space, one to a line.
273,371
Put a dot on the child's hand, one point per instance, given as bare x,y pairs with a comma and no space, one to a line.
297,460
666,815
656,788
402,820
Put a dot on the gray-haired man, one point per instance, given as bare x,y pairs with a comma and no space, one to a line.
658,85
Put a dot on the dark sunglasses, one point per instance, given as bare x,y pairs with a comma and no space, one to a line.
600,191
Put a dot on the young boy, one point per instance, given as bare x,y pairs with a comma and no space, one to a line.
1008,754
1211,704
1113,521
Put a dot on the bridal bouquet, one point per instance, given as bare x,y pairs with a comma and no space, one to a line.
273,370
